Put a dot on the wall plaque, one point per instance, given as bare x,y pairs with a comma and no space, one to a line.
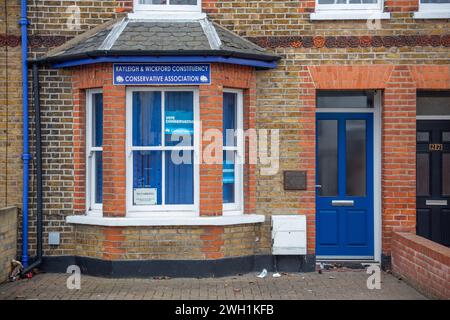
294,180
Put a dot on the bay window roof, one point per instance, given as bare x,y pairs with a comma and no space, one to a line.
129,37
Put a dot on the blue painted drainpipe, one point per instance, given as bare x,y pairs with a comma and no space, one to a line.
23,22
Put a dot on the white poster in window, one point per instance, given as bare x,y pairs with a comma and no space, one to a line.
145,196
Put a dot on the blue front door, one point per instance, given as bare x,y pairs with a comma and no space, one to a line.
344,190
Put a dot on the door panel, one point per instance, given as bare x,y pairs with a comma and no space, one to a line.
328,231
357,236
344,197
433,180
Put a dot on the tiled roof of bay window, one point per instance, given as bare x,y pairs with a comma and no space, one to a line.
158,37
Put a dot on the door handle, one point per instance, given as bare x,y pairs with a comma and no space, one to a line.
318,186
342,203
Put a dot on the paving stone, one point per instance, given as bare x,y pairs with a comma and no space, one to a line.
346,285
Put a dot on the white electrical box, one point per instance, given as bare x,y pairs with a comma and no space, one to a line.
289,235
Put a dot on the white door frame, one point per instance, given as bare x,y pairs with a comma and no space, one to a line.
377,199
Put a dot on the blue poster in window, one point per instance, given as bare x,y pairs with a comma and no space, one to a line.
161,74
228,172
179,122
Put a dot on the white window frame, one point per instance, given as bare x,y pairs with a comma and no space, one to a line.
342,6
349,11
433,11
168,7
237,207
160,210
92,207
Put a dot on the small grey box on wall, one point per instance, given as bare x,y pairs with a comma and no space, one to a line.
53,238
294,180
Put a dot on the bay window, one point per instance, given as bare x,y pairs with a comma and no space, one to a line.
94,150
232,151
162,150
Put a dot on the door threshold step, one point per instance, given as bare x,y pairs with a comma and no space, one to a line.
350,264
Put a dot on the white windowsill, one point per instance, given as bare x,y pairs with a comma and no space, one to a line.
166,221
349,15
428,14
163,15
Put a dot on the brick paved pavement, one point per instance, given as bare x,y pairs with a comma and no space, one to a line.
343,284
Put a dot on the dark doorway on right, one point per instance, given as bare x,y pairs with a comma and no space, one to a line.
433,166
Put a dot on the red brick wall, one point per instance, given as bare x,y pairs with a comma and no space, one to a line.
401,5
422,263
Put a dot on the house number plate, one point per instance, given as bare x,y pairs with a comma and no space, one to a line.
435,147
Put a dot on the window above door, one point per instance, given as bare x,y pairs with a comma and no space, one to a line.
349,99
349,10
433,9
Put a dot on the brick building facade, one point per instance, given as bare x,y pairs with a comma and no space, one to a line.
393,53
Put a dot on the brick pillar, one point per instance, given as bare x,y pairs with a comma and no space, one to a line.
79,146
114,133
307,154
399,155
250,146
212,246
211,100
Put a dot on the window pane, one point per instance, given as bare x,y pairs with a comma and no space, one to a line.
184,2
328,157
446,174
179,118
147,177
97,119
446,136
179,178
433,103
435,1
423,174
347,1
98,162
146,118
153,1
228,176
355,157
362,1
345,99
229,118
423,136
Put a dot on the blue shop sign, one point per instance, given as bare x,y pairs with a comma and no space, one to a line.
161,74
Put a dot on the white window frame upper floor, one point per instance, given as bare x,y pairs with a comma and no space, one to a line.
237,208
349,11
166,11
92,208
433,11
138,211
